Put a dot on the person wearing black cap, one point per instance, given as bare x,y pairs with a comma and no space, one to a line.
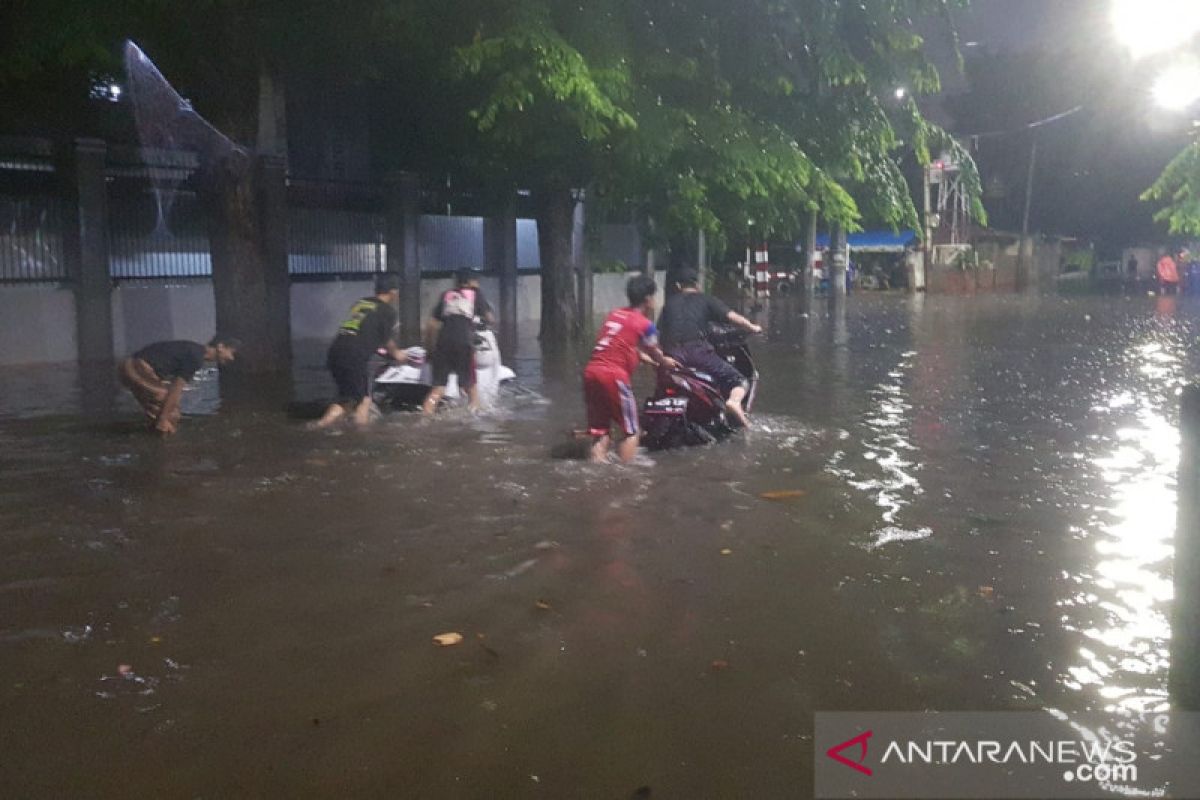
452,325
370,326
156,375
683,326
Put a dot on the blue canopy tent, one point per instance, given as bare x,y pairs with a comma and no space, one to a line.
873,241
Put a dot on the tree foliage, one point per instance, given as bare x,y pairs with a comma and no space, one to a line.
710,115
1178,189
735,119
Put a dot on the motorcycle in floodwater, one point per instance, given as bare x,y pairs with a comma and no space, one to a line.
405,386
687,407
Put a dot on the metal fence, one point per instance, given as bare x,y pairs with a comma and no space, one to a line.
326,241
157,227
31,221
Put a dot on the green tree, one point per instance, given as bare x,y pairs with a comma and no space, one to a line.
707,115
1178,190
702,114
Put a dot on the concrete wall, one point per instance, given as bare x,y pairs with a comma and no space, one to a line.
608,291
154,311
997,269
318,308
37,324
1147,259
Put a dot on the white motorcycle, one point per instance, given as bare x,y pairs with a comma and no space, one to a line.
405,386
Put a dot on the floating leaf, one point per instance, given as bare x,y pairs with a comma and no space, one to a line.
447,639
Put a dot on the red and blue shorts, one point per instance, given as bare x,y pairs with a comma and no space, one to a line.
609,400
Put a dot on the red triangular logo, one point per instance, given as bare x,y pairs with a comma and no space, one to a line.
835,752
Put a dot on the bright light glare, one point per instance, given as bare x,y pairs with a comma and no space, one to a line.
900,92
1152,26
1178,86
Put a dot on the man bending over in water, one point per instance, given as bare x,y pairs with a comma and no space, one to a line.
371,326
684,324
156,375
608,375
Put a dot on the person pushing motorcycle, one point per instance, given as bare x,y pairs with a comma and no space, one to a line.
683,327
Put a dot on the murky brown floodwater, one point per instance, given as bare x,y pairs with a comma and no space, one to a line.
986,524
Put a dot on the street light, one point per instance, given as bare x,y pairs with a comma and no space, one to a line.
1147,27
1177,86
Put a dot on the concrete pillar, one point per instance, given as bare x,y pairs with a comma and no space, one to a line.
649,254
810,256
1184,679
702,259
500,257
85,247
403,218
582,264
840,261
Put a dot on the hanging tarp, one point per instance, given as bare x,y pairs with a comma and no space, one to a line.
875,241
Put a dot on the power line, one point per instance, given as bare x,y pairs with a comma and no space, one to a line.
1028,126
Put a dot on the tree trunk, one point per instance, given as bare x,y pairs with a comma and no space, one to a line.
560,311
247,236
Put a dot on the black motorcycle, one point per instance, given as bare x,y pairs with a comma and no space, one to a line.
687,407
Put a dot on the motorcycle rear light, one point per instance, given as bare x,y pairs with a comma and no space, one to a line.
671,392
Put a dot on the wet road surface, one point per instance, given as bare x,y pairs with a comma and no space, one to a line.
974,511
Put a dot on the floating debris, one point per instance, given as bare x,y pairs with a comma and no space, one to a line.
783,494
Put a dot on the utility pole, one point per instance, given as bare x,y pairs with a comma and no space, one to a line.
1183,682
927,239
1022,265
810,256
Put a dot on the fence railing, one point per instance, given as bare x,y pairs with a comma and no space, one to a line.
31,221
157,227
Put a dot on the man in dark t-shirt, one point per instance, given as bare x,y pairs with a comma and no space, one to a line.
683,327
453,325
370,326
156,375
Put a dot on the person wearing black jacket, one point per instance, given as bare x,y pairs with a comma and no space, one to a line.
683,327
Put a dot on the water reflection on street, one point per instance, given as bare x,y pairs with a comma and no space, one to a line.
954,503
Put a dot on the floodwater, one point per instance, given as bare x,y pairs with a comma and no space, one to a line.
975,511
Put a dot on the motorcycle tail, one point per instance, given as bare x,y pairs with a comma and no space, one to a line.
665,425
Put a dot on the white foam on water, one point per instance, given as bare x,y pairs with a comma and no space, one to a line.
893,533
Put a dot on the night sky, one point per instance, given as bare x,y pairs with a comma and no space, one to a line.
1093,166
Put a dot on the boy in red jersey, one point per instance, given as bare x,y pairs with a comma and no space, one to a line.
607,377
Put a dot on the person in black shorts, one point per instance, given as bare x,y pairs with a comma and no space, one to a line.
370,326
683,328
453,326
156,375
